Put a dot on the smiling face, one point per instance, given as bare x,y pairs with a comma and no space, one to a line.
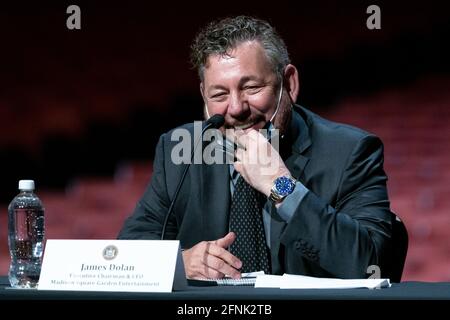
241,86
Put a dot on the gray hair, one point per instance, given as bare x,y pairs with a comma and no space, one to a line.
222,36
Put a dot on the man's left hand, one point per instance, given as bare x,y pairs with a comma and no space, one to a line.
257,161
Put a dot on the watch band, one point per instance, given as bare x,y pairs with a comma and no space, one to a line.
274,197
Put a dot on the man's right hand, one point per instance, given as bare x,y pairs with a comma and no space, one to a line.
210,259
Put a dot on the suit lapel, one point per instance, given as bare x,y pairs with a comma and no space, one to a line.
300,141
215,195
296,162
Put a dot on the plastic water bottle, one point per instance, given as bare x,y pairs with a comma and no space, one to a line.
26,237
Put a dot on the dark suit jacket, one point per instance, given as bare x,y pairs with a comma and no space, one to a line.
341,226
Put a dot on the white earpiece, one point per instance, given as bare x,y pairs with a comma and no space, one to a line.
279,100
207,112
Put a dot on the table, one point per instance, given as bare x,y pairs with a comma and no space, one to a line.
222,298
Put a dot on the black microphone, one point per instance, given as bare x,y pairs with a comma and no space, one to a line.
216,121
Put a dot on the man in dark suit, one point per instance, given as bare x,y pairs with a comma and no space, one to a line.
323,207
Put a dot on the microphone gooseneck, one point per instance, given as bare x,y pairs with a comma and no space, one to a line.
216,121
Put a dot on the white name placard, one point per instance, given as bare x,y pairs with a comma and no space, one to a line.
113,265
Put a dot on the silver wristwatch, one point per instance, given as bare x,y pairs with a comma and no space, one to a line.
282,187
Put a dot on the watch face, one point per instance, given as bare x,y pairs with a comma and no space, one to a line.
284,186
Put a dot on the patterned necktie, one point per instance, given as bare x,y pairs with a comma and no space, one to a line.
246,221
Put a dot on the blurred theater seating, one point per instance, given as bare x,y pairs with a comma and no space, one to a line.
89,208
80,112
412,121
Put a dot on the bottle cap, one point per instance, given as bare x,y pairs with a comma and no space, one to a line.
26,185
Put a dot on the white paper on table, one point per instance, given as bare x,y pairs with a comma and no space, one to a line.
290,281
268,281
